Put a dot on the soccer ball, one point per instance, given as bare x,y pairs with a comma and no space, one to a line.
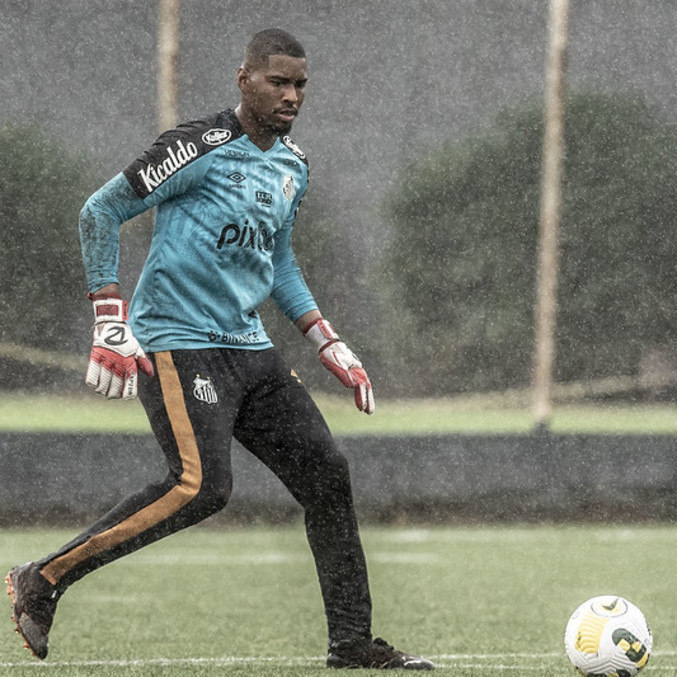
608,636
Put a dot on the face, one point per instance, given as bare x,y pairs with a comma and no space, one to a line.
272,93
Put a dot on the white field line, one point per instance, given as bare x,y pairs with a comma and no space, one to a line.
212,558
167,662
266,558
468,661
492,536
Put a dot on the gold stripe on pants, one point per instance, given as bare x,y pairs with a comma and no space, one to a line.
178,496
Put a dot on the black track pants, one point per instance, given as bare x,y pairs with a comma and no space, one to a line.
197,401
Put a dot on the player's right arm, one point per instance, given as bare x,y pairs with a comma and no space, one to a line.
116,355
174,164
99,225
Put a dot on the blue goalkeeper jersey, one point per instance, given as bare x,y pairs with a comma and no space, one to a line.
221,242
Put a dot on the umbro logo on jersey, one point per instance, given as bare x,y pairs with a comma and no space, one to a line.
154,176
236,177
204,390
215,137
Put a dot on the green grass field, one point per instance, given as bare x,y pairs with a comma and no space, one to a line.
474,414
478,600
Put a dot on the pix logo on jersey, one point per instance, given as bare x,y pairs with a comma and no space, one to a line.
252,237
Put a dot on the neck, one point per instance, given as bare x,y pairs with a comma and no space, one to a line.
262,138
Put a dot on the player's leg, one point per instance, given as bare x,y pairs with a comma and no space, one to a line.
281,425
192,418
194,434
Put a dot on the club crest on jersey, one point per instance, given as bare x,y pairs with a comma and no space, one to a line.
204,390
154,176
288,187
215,137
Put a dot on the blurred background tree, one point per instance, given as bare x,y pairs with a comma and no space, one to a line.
460,265
43,185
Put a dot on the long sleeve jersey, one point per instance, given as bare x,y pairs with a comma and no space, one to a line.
221,243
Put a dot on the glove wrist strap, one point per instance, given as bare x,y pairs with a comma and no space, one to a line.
110,310
320,333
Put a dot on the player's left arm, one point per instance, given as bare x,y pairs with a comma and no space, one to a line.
338,358
293,297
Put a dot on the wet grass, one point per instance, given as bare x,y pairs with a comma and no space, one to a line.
477,600
490,414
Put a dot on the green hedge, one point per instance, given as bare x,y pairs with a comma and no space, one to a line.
461,263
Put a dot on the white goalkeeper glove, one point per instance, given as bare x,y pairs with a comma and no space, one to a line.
342,362
116,355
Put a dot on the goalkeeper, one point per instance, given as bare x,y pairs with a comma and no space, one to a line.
227,188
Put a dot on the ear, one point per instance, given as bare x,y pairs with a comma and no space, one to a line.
242,78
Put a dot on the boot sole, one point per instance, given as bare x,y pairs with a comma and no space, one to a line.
17,626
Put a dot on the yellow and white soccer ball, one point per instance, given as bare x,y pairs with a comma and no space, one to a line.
608,636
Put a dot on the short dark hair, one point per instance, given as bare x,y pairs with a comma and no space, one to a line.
271,41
